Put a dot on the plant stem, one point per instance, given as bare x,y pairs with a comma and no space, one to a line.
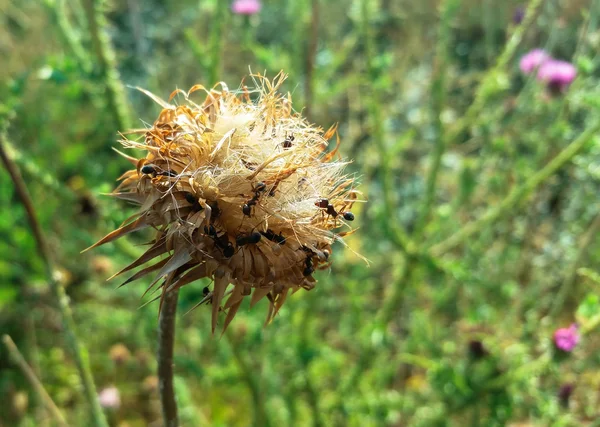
484,91
166,341
20,361
438,99
571,275
517,195
216,42
117,101
392,227
69,34
261,417
482,94
78,351
311,58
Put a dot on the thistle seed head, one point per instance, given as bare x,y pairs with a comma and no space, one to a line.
240,189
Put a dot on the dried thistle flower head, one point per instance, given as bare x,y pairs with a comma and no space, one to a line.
239,191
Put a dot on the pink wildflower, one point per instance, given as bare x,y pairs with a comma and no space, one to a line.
557,74
533,60
246,7
566,339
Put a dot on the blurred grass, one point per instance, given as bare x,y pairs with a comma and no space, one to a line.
483,206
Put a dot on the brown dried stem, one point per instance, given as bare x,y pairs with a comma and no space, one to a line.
166,341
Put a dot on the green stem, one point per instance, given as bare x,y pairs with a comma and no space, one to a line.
78,351
22,364
261,417
311,56
117,101
438,98
392,227
216,42
517,195
571,275
69,34
484,91
482,94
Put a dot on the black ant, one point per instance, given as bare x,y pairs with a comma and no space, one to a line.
246,239
221,241
215,211
287,143
153,170
148,169
324,204
277,238
348,216
259,188
309,269
191,199
309,266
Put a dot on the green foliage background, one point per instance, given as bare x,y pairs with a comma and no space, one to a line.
450,140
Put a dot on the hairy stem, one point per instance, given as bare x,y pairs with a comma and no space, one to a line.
517,195
166,341
78,351
20,361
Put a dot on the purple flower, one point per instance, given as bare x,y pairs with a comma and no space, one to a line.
566,339
558,75
110,398
533,60
246,7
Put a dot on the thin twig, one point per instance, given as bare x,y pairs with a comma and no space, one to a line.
517,195
20,361
79,352
166,341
